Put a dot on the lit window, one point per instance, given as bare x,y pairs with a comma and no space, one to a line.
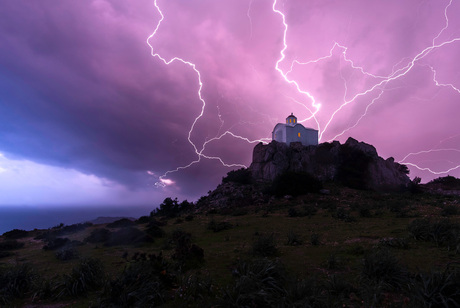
290,120
298,134
294,120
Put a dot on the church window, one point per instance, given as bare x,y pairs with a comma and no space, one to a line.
290,120
298,134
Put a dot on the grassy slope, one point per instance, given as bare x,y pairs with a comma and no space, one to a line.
340,240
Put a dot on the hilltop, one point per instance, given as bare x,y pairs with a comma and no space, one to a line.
278,169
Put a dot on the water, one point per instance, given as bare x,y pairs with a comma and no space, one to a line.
43,217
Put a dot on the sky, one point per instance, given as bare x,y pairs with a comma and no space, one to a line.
123,103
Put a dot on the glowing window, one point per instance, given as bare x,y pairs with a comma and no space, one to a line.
290,120
294,120
298,134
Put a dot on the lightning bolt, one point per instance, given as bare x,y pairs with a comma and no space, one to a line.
399,70
162,180
381,81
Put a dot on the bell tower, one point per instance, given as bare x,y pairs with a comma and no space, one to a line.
291,120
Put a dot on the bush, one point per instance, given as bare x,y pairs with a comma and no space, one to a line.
398,243
15,234
4,254
142,220
264,246
240,176
87,276
66,254
219,226
293,238
56,243
121,223
172,208
260,283
99,235
442,232
315,239
383,269
436,289
154,231
295,184
16,282
143,283
10,245
188,254
450,210
127,236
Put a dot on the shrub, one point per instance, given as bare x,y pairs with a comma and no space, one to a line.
343,214
15,234
450,210
293,238
143,283
189,255
398,243
194,288
98,235
127,236
305,293
260,283
16,282
87,276
66,254
420,229
436,289
154,231
295,184
219,226
442,232
264,246
315,239
240,176
383,269
172,208
121,223
189,217
142,220
56,243
10,245
4,254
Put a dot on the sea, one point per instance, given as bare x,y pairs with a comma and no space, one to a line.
28,217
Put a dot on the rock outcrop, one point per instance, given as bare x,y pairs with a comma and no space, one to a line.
355,164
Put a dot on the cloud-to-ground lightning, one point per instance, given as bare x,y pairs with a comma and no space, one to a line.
162,180
380,84
373,92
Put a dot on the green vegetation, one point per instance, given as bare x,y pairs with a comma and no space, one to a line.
348,248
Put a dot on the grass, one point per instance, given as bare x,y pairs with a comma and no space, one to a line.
343,244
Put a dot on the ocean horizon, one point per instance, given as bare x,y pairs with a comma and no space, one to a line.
28,217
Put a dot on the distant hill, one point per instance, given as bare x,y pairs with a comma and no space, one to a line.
107,220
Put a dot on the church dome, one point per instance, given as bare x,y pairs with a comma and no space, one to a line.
292,119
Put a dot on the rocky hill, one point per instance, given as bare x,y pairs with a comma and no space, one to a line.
354,164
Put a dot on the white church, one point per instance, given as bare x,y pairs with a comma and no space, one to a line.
292,131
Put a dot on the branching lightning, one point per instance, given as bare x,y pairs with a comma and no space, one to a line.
382,81
162,180
399,70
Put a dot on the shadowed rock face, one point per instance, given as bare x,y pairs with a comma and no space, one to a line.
355,164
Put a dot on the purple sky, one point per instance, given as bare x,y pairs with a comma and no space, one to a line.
89,116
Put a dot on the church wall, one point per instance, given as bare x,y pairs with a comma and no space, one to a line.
307,136
279,133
